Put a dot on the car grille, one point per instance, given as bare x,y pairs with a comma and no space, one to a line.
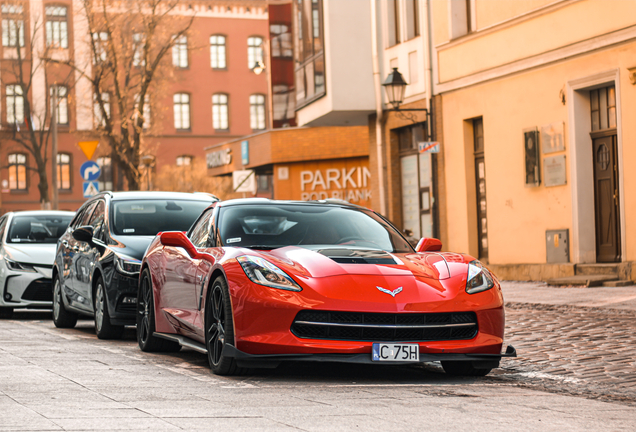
362,326
38,290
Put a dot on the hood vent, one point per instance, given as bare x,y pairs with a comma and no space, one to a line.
358,256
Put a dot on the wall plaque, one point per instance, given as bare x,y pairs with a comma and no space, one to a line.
552,138
554,171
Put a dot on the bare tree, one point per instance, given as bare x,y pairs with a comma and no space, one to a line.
28,119
193,177
128,41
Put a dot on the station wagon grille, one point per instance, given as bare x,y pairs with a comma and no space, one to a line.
362,326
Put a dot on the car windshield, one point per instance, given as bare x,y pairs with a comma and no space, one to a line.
272,226
148,217
37,229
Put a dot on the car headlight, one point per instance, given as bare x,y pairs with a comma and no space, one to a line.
263,272
16,266
127,266
479,278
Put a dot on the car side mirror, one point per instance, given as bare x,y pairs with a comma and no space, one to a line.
178,239
427,244
84,234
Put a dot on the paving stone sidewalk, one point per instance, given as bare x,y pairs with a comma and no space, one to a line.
583,349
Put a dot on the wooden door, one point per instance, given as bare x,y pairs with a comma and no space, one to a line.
480,184
608,247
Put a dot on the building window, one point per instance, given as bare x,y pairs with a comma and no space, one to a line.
254,51
284,107
180,52
64,171
257,112
603,107
12,25
220,111
461,18
17,172
100,120
62,104
15,104
184,160
100,40
310,63
217,52
138,50
146,110
56,27
395,24
413,19
105,180
281,41
182,111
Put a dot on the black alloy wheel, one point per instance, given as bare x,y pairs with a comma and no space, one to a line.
103,328
219,328
61,317
463,368
146,320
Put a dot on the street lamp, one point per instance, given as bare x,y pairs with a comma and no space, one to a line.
395,86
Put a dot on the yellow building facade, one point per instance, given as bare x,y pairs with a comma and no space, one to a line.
537,97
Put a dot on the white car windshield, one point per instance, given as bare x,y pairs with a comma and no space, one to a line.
37,229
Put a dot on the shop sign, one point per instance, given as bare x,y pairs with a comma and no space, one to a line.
428,146
349,184
245,152
219,158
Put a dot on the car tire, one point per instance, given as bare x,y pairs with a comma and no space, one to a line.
61,317
6,312
103,327
146,320
463,368
219,329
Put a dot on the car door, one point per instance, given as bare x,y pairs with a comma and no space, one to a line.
89,254
78,275
179,292
206,243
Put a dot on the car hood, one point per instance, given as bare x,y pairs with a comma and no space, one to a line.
32,253
132,246
334,260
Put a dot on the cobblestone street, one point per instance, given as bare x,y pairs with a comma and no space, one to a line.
581,350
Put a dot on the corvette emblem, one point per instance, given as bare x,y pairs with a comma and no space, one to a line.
393,293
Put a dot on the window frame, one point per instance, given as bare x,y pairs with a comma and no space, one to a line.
227,112
181,114
177,52
254,114
255,50
63,33
309,52
14,96
11,17
14,166
61,101
215,54
60,165
102,181
98,120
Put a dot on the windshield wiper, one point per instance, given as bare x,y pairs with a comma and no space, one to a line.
261,246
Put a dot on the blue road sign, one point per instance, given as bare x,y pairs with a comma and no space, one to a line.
245,152
90,171
90,188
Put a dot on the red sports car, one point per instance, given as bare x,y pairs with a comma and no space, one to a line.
257,282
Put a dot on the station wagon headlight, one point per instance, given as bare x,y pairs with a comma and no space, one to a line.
263,272
16,266
479,278
127,266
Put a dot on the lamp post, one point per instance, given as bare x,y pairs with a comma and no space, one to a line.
395,86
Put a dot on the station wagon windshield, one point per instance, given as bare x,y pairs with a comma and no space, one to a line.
37,229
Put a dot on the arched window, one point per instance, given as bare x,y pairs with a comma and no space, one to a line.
220,111
12,25
257,111
217,52
182,111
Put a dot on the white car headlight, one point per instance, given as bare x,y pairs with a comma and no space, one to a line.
263,272
479,278
127,266
16,266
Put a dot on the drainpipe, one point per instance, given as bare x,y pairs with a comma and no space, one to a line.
431,130
378,106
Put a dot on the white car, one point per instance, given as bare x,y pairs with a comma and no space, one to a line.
28,241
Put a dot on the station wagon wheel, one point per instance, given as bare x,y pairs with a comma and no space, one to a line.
61,317
146,319
219,328
103,327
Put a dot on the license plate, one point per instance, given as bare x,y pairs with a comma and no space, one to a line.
395,352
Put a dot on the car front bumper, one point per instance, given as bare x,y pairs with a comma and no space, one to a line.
27,289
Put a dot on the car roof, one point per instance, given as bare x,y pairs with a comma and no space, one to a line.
140,195
266,201
43,213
